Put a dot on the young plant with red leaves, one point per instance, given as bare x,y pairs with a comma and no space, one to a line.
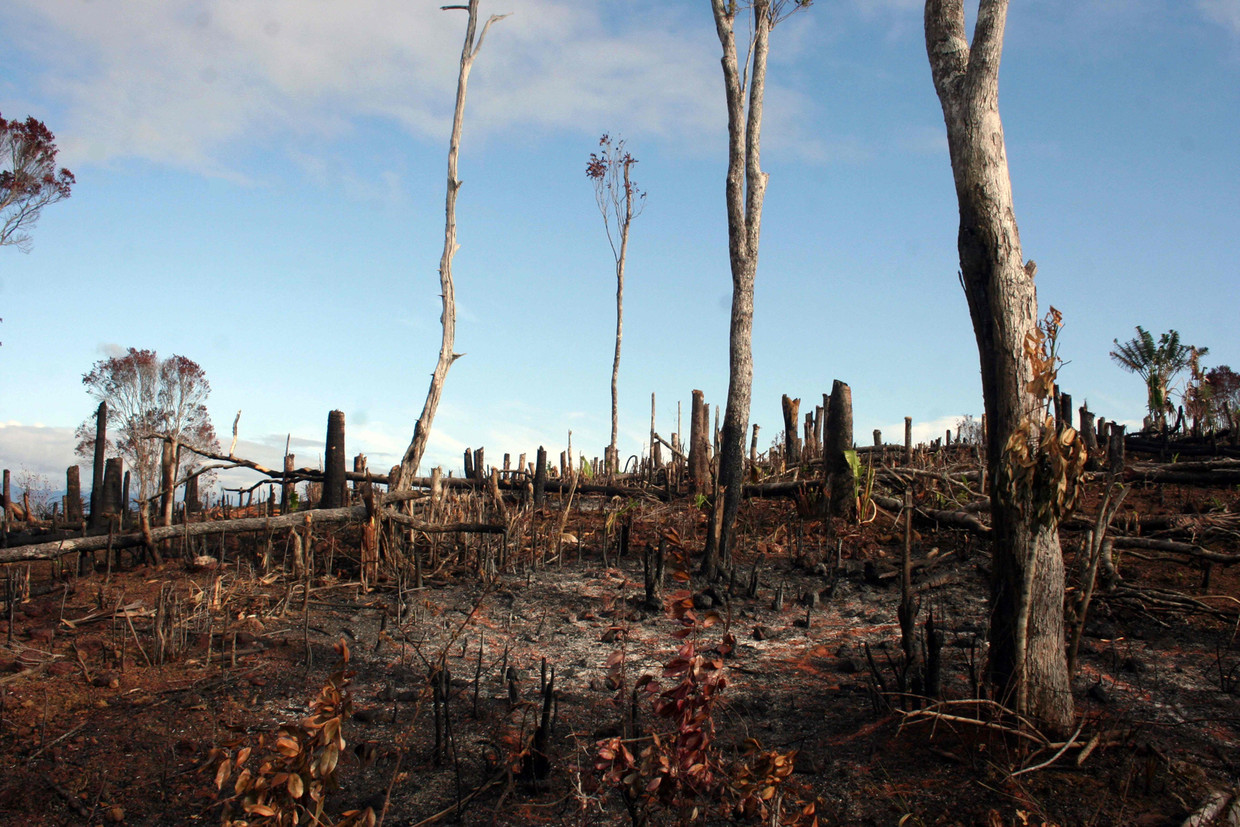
679,771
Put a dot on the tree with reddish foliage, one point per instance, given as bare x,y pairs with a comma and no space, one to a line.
1223,393
619,199
150,397
29,179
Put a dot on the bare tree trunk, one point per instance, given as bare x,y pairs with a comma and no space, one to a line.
613,464
422,428
745,189
1028,664
167,480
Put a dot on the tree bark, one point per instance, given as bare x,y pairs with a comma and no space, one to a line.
422,428
96,485
792,445
842,502
745,190
540,477
334,485
73,496
613,457
1028,663
699,444
113,502
192,504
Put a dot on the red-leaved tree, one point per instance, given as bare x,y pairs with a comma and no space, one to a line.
147,397
29,179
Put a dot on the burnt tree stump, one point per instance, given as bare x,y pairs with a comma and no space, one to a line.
73,496
792,443
840,478
334,477
96,485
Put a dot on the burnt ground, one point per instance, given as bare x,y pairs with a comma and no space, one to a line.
94,729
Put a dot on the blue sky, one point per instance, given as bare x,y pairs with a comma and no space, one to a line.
261,185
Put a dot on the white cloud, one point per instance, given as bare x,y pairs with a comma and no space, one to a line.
41,450
199,83
1224,12
923,432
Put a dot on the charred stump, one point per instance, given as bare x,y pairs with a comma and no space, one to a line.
333,463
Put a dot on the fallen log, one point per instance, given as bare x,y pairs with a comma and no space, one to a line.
955,519
53,550
1139,443
1204,479
1173,547
1194,524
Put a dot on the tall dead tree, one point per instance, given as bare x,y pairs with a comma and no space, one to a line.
422,428
745,190
1028,664
621,201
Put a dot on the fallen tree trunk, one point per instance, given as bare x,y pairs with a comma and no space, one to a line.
59,548
955,519
1174,547
1152,445
1204,479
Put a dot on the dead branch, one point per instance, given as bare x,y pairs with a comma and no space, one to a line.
955,519
1174,547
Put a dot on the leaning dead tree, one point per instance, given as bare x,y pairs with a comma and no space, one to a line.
422,428
1028,664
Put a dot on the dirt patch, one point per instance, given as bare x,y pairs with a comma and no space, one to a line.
105,720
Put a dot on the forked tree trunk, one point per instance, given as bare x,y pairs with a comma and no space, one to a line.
422,428
1028,664
745,189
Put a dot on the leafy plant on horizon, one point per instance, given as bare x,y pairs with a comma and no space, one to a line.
148,396
1157,363
1224,397
969,430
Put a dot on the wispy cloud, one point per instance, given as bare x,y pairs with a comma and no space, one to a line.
39,449
1224,12
198,84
